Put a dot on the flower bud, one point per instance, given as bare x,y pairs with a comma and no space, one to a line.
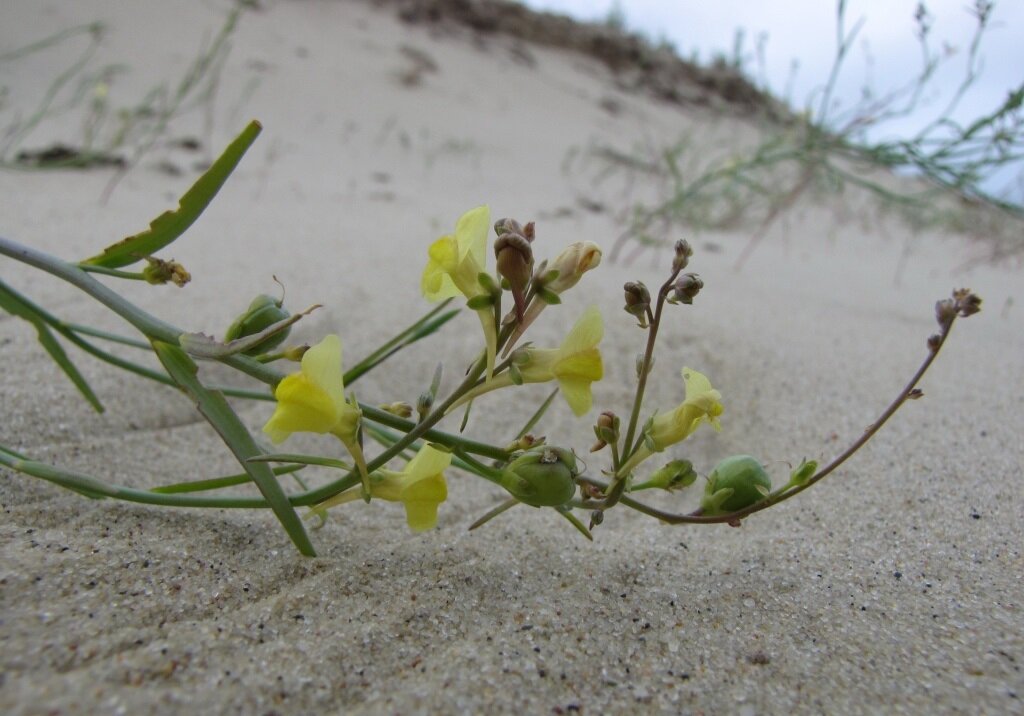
735,483
638,301
686,288
571,264
515,265
945,311
642,366
262,312
424,403
525,443
295,353
542,477
159,272
606,429
967,303
683,254
673,476
401,409
803,472
507,226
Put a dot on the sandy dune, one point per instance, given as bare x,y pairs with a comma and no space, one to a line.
894,586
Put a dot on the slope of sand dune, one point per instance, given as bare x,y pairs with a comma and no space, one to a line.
893,586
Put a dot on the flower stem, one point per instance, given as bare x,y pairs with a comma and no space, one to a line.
619,483
697,517
149,325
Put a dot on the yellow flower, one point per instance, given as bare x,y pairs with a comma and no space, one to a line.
702,404
313,401
421,487
575,365
454,266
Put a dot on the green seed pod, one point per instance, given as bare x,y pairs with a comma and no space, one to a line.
542,477
263,311
735,483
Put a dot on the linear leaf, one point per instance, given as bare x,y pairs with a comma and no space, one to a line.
16,307
171,224
219,414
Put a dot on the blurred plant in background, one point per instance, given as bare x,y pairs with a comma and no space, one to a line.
944,168
110,135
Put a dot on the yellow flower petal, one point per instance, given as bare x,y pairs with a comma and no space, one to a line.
471,234
301,407
421,486
577,394
313,399
585,364
421,516
437,283
322,365
587,333
455,262
429,461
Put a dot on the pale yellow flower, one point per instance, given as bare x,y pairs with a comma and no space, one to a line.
702,404
420,487
454,266
313,401
575,365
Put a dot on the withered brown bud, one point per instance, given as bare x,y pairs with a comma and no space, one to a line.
967,303
400,409
686,288
638,300
683,254
945,311
606,430
507,226
934,341
515,264
158,272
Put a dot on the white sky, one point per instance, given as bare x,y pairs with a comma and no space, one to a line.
804,31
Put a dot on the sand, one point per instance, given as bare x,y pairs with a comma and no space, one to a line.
893,586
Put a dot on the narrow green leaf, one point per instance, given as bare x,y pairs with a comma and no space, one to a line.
217,483
535,418
171,224
16,307
432,326
491,514
303,460
435,382
219,414
575,522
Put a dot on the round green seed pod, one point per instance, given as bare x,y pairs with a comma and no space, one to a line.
742,474
262,312
542,477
